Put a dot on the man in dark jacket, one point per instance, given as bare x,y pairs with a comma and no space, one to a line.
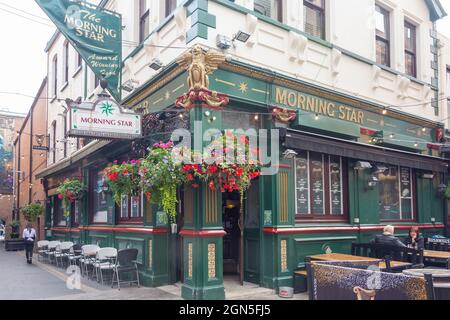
388,238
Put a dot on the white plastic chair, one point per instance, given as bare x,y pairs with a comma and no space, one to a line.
105,260
52,249
42,248
62,251
88,253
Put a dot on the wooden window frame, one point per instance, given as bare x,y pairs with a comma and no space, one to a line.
72,214
144,17
413,199
168,7
387,40
66,61
55,75
58,213
327,216
93,173
130,220
409,52
447,83
322,12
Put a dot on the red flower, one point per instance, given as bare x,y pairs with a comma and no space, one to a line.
187,168
239,172
190,177
126,172
243,139
148,195
60,196
195,186
212,186
213,169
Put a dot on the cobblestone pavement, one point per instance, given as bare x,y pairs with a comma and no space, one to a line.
21,281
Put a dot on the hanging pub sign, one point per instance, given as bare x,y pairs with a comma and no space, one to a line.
104,119
95,33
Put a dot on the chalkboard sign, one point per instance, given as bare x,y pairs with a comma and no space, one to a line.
406,192
336,186
302,184
389,194
317,183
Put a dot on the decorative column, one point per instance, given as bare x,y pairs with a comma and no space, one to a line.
203,228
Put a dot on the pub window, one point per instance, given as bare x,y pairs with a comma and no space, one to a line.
144,20
66,62
319,186
396,194
130,209
410,50
270,8
58,213
99,198
75,209
382,36
314,17
54,140
55,75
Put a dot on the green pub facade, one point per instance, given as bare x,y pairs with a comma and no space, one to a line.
347,168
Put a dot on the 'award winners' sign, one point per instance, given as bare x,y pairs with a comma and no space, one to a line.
105,120
95,33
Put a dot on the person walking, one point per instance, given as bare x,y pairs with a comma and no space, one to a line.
29,236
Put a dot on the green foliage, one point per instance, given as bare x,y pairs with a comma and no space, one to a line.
69,192
32,211
447,192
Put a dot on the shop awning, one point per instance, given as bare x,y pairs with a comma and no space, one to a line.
317,143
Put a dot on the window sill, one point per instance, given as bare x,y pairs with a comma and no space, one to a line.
64,86
77,71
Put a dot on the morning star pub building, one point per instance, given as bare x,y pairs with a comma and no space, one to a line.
348,167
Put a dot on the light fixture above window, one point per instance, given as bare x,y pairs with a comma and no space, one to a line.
241,36
156,64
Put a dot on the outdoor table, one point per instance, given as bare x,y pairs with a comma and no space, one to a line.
442,255
349,257
441,280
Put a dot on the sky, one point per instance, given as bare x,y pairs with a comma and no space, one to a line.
23,62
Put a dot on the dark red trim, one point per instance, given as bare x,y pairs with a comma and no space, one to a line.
126,229
344,229
65,230
202,233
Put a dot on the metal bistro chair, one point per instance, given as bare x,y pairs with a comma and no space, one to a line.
106,260
51,250
74,254
42,249
62,252
88,254
126,262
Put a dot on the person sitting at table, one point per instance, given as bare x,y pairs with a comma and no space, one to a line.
388,238
414,239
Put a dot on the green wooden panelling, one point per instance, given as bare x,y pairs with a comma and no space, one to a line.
326,124
197,31
202,17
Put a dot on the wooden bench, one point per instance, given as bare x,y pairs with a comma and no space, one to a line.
300,279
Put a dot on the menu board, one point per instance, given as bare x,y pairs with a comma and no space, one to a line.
317,183
406,192
124,207
100,200
302,184
336,186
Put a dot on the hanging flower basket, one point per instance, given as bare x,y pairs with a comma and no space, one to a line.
32,211
161,177
69,192
124,179
220,175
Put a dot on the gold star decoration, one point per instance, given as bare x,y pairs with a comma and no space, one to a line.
243,87
167,95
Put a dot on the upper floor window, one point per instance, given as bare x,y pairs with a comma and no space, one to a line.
320,186
55,75
79,61
144,20
396,194
270,8
410,50
448,84
98,198
53,139
58,213
66,62
382,36
314,17
171,5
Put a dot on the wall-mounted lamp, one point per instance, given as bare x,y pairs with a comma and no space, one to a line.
380,169
241,36
362,165
156,64
428,176
289,154
442,188
373,182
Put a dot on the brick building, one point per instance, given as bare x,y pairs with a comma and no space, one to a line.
28,161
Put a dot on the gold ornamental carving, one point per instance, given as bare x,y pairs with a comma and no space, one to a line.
199,65
283,250
211,261
190,260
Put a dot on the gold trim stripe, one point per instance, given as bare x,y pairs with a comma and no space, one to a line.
283,179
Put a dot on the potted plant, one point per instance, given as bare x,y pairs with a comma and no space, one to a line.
15,227
69,192
13,241
32,211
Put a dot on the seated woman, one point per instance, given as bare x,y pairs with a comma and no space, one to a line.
414,239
